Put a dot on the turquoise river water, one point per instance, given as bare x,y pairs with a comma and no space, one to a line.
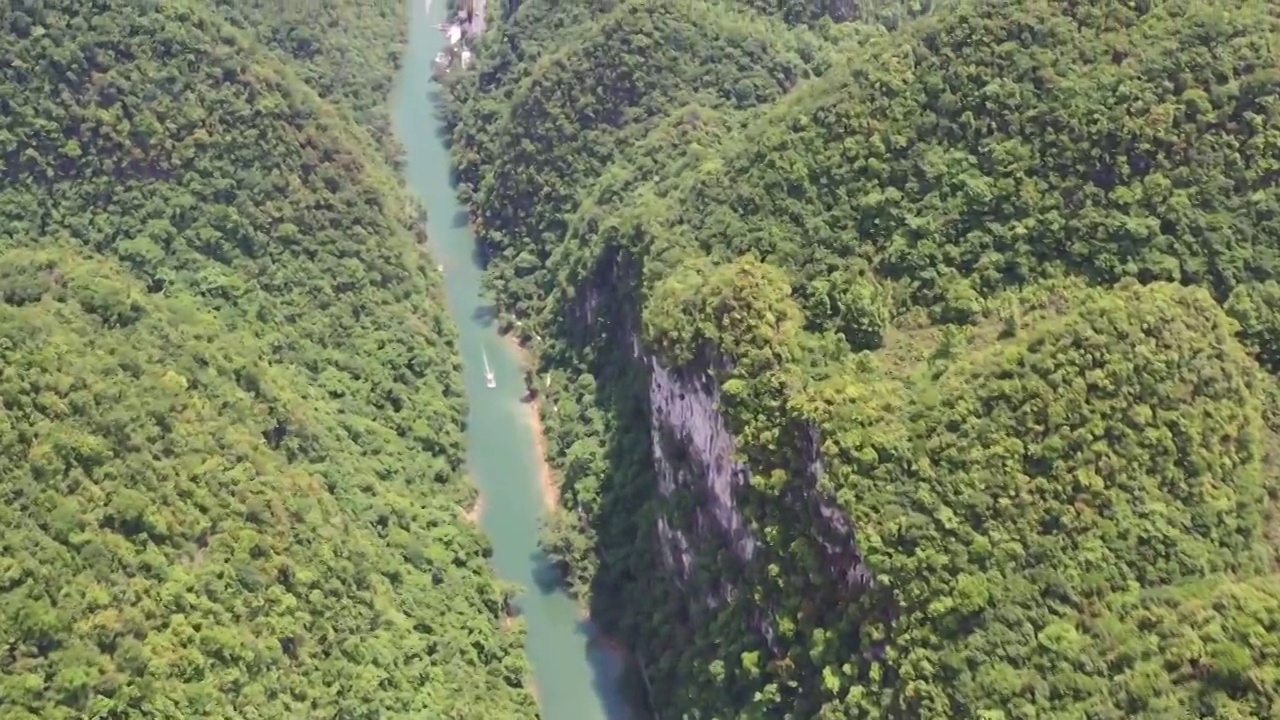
576,677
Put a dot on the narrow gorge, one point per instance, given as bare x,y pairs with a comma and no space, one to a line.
905,359
575,673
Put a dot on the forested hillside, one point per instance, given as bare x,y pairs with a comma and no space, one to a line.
919,366
627,68
230,413
348,51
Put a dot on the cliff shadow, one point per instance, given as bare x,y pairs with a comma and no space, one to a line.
623,591
485,315
609,662
479,255
547,577
610,670
627,602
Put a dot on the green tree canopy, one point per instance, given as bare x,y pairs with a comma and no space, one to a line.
230,410
991,284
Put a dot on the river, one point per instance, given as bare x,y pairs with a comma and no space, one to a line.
575,676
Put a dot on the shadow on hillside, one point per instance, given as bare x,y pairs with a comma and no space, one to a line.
615,678
625,588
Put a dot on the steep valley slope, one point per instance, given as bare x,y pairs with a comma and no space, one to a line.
919,366
230,404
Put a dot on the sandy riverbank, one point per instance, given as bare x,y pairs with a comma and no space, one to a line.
551,497
473,515
547,481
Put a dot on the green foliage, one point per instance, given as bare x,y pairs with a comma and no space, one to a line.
888,12
348,51
230,416
859,307
1256,306
1117,446
1075,156
733,313
912,279
524,146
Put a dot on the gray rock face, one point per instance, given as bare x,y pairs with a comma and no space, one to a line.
694,450
684,411
832,526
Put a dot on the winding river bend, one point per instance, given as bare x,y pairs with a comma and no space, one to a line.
576,677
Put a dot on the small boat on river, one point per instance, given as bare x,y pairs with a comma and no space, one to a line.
489,380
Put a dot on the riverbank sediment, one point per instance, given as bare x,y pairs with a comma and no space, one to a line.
548,483
473,514
613,647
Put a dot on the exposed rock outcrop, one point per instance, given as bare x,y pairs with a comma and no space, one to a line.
694,450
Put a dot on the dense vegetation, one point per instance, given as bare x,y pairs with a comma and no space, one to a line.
348,51
230,415
996,284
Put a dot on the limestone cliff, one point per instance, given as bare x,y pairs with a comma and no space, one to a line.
694,451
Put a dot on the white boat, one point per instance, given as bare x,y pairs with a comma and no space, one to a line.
489,380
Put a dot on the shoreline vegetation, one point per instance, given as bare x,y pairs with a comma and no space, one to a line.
548,483
550,487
